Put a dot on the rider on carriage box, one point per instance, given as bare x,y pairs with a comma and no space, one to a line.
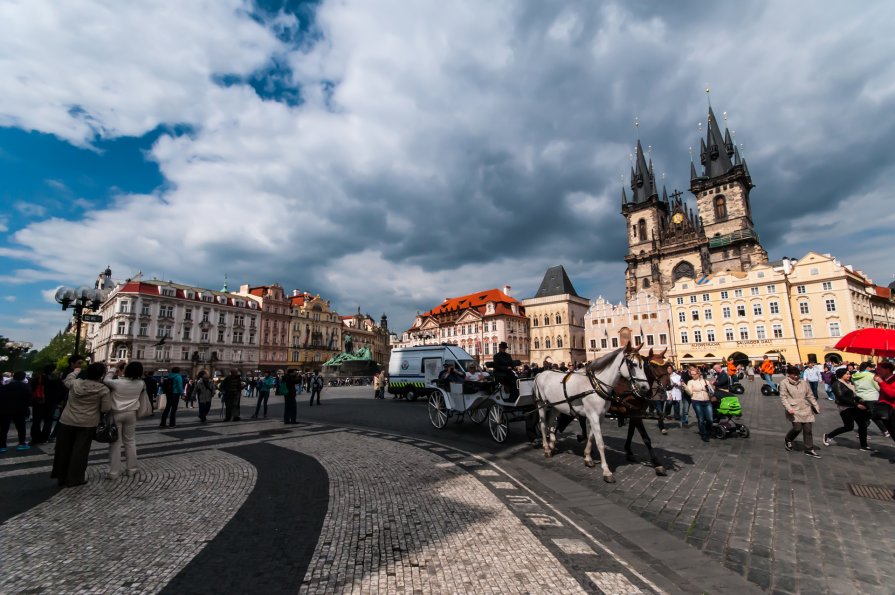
503,364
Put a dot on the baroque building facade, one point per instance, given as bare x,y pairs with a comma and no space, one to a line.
556,316
315,332
275,321
668,240
362,331
477,322
645,320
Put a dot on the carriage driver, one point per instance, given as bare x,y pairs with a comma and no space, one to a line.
503,370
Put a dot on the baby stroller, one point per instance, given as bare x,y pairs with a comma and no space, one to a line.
725,410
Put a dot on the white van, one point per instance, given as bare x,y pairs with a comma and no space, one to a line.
411,370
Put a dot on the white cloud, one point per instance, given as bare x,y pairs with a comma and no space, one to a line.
9,298
30,209
3,225
439,146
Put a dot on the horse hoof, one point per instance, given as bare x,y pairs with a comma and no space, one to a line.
609,478
660,471
590,464
547,455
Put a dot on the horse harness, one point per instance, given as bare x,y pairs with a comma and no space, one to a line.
600,388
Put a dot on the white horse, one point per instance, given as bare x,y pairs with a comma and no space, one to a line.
587,393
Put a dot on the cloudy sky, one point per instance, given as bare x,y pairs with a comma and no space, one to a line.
387,154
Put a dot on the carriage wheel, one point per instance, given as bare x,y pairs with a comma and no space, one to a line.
498,424
478,415
437,411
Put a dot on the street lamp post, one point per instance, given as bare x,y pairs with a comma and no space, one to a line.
787,269
79,299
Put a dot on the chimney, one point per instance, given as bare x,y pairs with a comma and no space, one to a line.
506,289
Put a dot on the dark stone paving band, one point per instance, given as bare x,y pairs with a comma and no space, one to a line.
20,493
268,544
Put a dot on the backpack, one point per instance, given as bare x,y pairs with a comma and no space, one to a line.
318,381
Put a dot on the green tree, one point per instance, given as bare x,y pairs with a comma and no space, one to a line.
56,351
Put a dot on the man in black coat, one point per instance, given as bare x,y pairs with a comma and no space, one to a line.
15,398
503,364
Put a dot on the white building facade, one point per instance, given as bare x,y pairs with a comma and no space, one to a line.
645,320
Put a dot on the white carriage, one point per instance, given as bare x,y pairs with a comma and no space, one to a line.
478,401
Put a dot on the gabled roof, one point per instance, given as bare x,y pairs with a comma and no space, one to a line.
472,300
556,282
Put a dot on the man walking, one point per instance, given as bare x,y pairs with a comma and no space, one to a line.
173,387
266,387
316,386
231,391
813,376
15,396
290,412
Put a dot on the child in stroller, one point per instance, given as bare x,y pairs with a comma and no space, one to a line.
725,408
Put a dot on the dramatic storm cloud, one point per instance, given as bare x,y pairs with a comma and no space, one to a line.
387,154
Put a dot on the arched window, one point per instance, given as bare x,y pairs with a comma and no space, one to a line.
681,270
558,319
720,208
534,321
634,231
547,343
546,320
559,342
641,229
537,343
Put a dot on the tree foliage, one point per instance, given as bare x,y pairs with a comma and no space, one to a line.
56,352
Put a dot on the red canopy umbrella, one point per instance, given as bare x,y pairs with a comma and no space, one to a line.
878,342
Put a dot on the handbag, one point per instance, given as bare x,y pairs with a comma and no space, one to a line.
144,408
106,430
162,401
880,411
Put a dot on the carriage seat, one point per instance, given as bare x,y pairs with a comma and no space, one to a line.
471,386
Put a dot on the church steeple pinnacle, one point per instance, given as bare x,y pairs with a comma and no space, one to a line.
643,183
716,149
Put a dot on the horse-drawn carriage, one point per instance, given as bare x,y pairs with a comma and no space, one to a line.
478,401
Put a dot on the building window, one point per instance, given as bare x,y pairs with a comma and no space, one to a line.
725,295
777,330
237,336
144,329
494,325
615,342
188,314
834,329
697,336
547,343
145,310
603,343
593,343
123,307
772,289
537,344
663,339
707,314
682,316
185,353
744,333
803,308
753,291
741,311
831,305
694,314
756,309
558,319
728,334
706,297
205,315
737,293
220,336
774,307
546,320
827,286
720,208
204,337
710,335
164,331
650,340
186,333
807,331
801,289
122,327
680,301
725,312
641,230
166,311
684,337
692,299
760,332
534,321
559,342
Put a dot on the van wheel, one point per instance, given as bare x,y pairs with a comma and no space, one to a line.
410,395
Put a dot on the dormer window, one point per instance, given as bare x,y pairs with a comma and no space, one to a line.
168,291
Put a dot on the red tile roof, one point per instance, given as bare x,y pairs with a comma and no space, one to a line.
473,300
149,288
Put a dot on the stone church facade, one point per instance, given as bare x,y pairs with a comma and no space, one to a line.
668,240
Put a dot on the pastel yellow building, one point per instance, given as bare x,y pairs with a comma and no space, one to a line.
792,310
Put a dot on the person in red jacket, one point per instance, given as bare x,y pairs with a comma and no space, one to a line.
885,377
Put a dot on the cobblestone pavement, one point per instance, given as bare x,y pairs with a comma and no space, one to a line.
785,521
403,516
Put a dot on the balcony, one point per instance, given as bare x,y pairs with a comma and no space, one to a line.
737,236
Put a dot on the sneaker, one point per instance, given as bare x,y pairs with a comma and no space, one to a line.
111,476
886,433
866,449
812,454
23,447
827,440
131,472
787,444
664,431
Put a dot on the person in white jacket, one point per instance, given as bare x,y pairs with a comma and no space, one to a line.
126,384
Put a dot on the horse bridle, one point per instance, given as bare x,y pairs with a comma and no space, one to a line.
609,393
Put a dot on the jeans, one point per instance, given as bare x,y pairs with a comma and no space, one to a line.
263,396
673,406
290,411
18,419
685,411
315,392
703,411
770,381
127,428
829,391
204,408
849,417
170,407
813,386
805,427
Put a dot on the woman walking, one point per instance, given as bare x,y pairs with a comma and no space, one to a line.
801,406
701,399
78,424
851,409
126,384
204,393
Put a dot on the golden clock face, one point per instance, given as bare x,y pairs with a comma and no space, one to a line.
678,218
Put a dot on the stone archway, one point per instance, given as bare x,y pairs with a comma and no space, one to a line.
739,357
833,357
